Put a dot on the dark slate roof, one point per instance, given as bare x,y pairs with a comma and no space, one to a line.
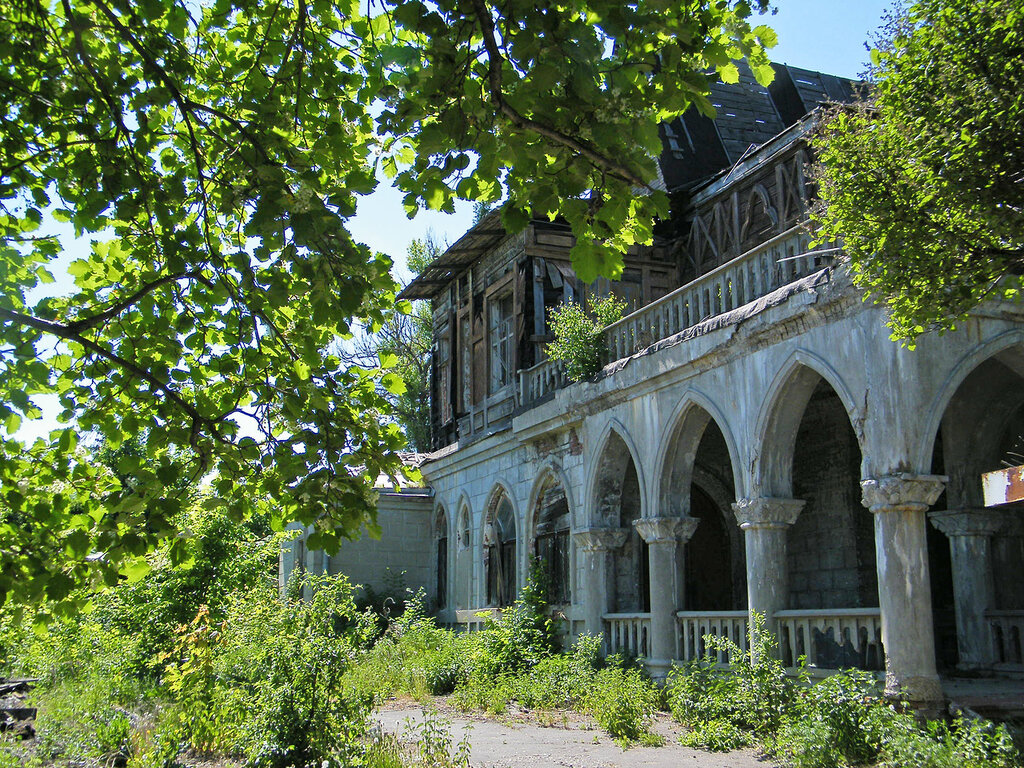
748,114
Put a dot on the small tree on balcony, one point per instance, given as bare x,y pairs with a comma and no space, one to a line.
579,339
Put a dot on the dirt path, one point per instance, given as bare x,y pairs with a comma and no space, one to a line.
565,740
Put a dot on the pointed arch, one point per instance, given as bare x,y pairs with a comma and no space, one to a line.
549,517
500,534
441,532
677,450
781,413
602,462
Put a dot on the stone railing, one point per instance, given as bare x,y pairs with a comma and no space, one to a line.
832,638
1007,628
693,626
628,633
545,377
739,281
474,619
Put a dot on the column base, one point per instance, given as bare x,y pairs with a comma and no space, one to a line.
658,669
922,693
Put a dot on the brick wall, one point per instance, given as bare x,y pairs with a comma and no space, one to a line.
831,545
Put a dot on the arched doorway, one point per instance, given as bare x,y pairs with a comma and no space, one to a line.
617,505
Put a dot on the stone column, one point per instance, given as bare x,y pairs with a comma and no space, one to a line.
899,503
663,536
970,534
765,522
597,545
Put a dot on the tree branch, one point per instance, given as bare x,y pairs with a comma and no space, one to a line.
494,60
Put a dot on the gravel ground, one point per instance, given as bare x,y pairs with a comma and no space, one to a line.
559,740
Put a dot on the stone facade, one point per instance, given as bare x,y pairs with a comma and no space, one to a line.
756,444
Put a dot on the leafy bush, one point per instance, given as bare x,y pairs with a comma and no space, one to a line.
579,341
714,736
754,693
623,702
520,638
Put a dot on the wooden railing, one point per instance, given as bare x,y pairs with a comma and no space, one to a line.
628,633
739,281
694,626
832,638
1007,628
749,276
545,377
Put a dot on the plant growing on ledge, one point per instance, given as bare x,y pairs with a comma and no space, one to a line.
578,334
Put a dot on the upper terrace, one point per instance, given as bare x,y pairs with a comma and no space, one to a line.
736,237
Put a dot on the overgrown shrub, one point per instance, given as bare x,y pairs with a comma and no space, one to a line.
579,341
754,693
623,702
714,736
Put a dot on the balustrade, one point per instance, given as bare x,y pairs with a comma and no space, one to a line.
739,281
628,633
832,638
694,626
751,275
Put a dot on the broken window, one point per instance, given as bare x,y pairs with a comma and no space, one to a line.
551,545
500,555
501,333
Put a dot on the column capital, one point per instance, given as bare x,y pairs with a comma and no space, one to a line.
658,530
600,539
901,492
971,521
767,512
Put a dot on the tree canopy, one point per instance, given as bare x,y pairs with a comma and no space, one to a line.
924,184
211,152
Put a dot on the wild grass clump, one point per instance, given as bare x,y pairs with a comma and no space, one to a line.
840,721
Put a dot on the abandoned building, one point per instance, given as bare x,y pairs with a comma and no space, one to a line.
756,444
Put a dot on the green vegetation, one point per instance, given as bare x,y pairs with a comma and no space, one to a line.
840,721
579,341
208,156
922,184
265,680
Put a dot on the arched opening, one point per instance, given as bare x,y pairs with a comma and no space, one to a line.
976,555
617,505
551,540
441,558
831,546
716,570
500,553
698,481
